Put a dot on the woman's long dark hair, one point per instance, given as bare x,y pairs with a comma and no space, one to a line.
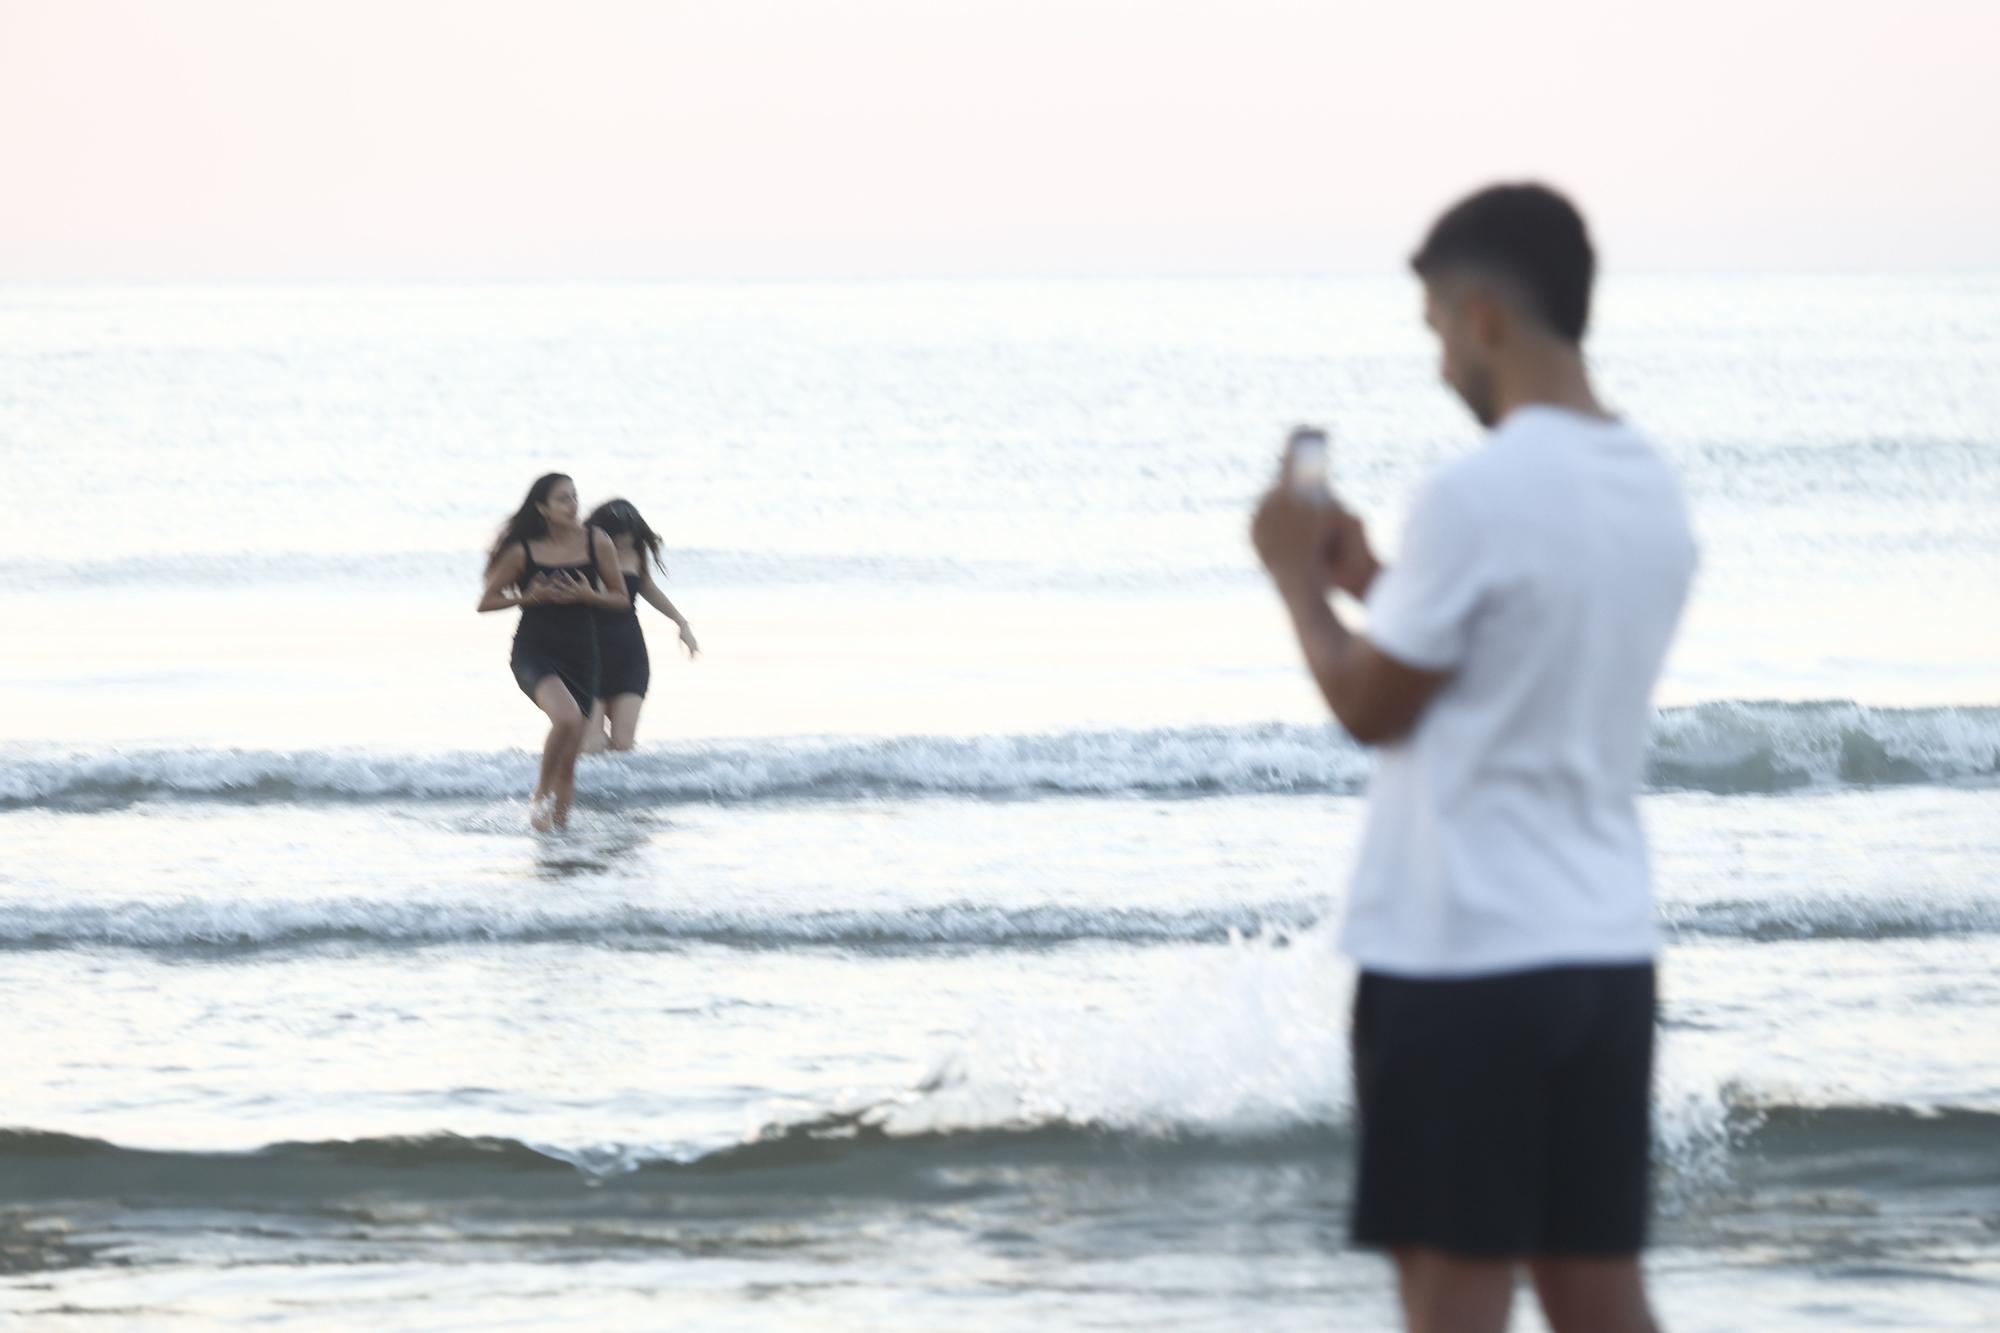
621,518
527,522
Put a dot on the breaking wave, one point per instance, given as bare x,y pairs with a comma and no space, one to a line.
1727,748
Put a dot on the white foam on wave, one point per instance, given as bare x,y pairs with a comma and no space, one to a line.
216,921
1728,747
213,922
1209,759
1242,1041
1735,745
1247,1042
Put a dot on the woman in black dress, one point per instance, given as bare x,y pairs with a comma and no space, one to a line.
559,572
626,668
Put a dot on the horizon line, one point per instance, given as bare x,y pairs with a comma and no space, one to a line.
923,277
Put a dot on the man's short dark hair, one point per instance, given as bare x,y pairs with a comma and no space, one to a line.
1526,235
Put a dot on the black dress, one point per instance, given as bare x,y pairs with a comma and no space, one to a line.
558,640
624,667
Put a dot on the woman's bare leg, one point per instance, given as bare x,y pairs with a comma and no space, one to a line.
565,788
594,737
556,781
624,718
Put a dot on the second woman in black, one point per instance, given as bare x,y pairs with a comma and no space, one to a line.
627,669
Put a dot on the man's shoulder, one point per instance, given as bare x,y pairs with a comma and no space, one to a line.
1542,434
1535,451
1470,485
1534,471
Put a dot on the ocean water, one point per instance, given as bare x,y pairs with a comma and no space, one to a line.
955,951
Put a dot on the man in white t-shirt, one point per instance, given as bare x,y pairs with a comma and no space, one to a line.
1500,913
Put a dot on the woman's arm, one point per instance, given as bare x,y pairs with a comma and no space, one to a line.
651,592
612,595
499,593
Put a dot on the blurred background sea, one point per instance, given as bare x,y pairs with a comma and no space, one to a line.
954,951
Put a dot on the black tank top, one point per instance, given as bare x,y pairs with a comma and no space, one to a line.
561,616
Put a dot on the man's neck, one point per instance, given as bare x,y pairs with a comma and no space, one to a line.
1548,376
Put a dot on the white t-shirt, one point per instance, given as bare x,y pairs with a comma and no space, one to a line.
1546,573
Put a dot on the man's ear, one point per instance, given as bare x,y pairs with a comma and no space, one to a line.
1486,316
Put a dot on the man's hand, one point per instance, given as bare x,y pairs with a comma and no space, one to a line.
1302,541
1350,562
1311,545
1292,534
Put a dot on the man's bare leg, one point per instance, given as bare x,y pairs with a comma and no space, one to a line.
1443,1293
1593,1295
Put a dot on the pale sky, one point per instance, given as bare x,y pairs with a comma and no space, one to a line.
166,139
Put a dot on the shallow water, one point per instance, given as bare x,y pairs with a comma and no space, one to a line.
956,949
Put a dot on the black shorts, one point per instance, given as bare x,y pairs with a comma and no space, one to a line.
1505,1116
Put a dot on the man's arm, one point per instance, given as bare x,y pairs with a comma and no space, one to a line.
1375,697
1308,548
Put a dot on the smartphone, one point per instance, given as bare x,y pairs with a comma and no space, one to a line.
1308,458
